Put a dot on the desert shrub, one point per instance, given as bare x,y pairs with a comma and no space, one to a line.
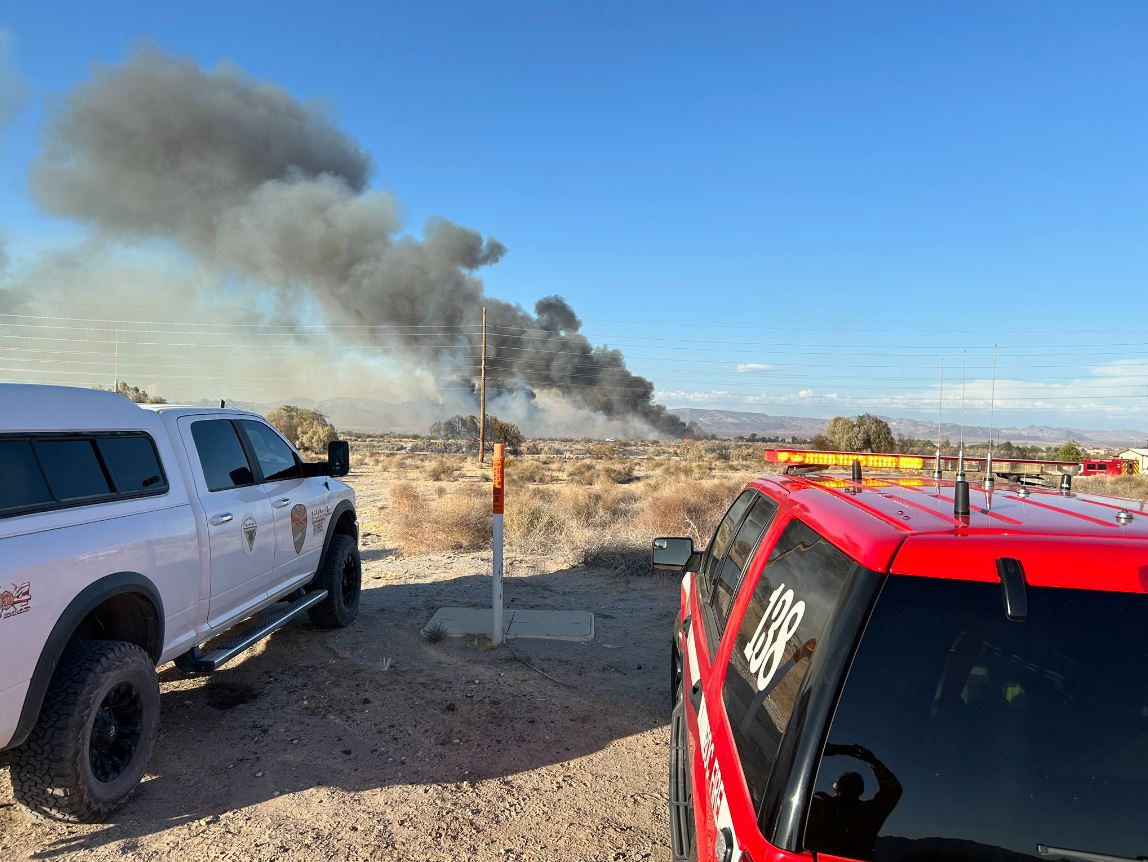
306,429
530,471
139,396
617,471
582,472
455,520
602,451
1132,487
535,522
440,469
688,509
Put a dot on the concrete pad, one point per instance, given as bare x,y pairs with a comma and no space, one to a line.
549,625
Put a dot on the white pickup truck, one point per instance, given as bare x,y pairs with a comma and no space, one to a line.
132,536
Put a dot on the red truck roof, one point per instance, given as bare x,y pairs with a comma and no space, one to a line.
906,525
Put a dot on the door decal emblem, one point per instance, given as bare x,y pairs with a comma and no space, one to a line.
16,601
250,528
298,526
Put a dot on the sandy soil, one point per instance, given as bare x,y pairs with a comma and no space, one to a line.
371,743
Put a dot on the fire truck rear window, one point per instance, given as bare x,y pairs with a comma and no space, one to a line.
963,736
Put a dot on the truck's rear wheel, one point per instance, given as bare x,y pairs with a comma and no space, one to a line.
95,733
341,575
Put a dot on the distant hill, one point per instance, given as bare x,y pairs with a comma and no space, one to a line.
738,423
370,415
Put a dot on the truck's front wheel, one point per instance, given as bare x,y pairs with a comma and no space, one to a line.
91,744
341,575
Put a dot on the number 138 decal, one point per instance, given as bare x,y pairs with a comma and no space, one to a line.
778,624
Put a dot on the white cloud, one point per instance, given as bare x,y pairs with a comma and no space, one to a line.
755,368
1110,390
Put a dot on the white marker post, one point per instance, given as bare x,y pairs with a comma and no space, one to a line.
499,504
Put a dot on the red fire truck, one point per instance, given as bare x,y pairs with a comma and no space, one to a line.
902,668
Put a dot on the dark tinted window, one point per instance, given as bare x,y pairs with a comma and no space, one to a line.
221,454
133,464
723,533
734,563
22,483
787,615
72,469
970,737
275,457
712,567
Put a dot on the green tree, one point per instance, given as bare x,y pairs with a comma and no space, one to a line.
840,433
1070,451
139,396
866,433
306,429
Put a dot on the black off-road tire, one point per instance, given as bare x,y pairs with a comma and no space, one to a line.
341,575
55,772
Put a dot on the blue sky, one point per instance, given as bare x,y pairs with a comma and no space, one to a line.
794,208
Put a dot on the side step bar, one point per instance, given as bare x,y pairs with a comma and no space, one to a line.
681,808
261,625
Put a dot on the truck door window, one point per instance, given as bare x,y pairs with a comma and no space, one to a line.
961,735
132,463
221,455
72,469
23,486
712,562
788,611
276,460
736,559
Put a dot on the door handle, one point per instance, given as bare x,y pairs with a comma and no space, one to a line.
222,518
281,502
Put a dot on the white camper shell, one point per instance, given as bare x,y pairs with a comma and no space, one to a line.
129,537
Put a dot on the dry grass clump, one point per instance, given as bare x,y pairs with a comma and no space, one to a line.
582,472
617,471
421,523
441,469
602,525
1132,487
531,471
688,509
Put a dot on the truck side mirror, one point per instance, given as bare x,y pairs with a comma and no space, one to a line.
671,554
339,457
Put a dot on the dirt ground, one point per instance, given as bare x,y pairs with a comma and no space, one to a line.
372,743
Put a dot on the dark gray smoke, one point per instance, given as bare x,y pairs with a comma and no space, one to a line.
248,179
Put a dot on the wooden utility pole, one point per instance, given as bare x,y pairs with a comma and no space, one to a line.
482,396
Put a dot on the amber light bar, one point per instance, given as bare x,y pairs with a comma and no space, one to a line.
845,459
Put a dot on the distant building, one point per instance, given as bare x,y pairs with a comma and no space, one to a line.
1140,456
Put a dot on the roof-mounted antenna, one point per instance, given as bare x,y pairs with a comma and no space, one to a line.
961,450
961,486
222,403
989,480
857,471
938,473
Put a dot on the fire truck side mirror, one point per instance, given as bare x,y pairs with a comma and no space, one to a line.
672,554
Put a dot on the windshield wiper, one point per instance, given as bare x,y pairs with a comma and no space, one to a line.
1084,855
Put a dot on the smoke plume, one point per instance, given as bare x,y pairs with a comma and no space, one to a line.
252,182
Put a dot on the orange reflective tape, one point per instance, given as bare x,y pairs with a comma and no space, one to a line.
499,474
